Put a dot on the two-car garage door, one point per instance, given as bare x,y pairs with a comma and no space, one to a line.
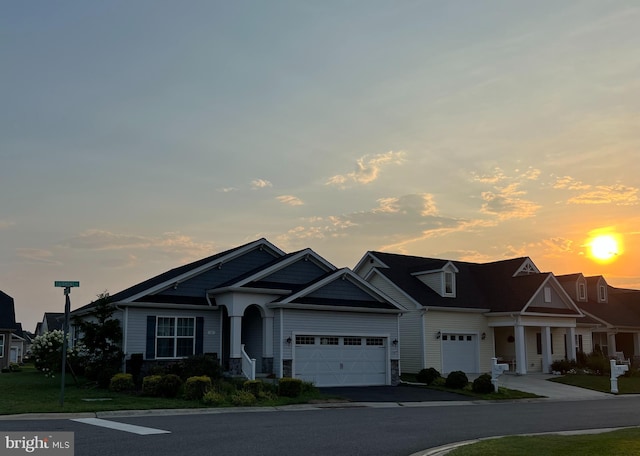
341,360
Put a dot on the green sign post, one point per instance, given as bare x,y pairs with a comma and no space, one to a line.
67,285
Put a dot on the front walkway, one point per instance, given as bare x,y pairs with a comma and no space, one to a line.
539,384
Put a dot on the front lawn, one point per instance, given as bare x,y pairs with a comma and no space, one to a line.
623,441
626,385
29,391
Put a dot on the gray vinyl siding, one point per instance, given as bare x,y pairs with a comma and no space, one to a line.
300,272
196,286
137,328
411,342
342,323
433,281
556,301
341,289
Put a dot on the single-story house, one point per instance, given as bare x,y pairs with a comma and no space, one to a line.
51,321
260,309
459,315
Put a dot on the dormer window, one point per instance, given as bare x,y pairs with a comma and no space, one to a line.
582,292
602,293
547,294
449,283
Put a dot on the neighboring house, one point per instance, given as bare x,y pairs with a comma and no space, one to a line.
459,314
613,314
50,322
7,328
295,314
20,343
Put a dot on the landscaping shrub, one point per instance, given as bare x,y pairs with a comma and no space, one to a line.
456,380
308,388
483,385
121,382
243,398
563,366
196,366
151,385
598,364
440,381
134,366
427,375
169,385
253,386
289,387
196,387
214,398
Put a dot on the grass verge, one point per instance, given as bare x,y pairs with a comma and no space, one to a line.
29,391
626,385
623,441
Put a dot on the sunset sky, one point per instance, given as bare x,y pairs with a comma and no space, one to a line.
138,136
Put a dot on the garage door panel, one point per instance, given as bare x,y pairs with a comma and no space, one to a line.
459,353
341,365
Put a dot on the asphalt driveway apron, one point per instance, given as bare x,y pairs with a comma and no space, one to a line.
401,393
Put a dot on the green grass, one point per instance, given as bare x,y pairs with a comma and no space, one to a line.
29,391
626,385
621,442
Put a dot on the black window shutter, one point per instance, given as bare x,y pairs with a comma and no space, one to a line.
151,337
199,335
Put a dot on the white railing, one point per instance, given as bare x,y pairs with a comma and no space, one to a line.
248,365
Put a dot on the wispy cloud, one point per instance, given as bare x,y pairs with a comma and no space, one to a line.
368,169
618,194
37,256
505,200
227,189
290,200
170,242
260,183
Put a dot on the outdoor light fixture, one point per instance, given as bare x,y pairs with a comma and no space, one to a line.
395,342
484,336
288,340
438,335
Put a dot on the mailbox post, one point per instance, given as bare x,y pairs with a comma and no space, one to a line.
496,371
616,371
67,285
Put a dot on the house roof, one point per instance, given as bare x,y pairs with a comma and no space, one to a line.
621,310
55,320
7,312
489,286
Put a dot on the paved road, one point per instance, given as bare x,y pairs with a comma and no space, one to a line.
385,429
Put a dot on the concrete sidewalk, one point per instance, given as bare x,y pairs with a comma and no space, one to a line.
540,385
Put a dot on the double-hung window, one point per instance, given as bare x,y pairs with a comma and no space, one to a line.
1,345
175,337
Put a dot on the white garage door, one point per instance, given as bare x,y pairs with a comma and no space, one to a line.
341,360
459,353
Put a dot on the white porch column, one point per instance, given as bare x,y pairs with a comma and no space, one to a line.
267,337
572,348
547,358
521,355
636,345
235,351
611,338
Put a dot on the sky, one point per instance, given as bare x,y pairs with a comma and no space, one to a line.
139,136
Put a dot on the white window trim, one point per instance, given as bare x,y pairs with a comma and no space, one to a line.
582,292
602,293
2,341
453,283
175,336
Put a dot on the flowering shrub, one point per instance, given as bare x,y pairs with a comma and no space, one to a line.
47,352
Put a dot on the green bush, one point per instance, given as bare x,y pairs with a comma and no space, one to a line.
598,364
563,366
169,385
197,366
253,386
196,387
243,398
456,380
14,367
440,381
151,385
483,385
214,398
289,387
427,375
122,382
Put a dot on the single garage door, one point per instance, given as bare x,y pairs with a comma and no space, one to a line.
341,360
459,352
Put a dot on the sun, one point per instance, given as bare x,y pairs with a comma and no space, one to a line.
604,248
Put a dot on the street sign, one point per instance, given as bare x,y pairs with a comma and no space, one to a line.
65,284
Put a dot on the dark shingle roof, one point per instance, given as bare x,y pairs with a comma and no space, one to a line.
7,312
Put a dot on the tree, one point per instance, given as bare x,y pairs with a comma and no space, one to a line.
101,336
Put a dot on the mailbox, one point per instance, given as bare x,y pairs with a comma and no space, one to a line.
616,371
496,371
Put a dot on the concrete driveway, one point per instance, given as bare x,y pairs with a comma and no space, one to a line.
539,384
